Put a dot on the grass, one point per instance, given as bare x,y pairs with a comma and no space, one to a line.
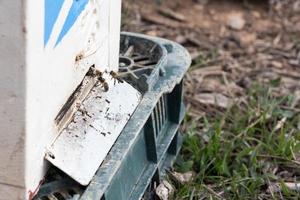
241,152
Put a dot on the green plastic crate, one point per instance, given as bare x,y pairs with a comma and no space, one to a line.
151,139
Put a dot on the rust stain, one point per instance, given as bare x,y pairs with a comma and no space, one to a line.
32,194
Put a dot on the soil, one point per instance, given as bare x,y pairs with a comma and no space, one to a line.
233,43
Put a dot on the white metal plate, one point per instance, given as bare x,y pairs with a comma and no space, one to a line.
84,143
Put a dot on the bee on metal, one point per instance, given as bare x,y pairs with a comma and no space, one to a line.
103,82
79,57
116,77
84,112
102,133
99,75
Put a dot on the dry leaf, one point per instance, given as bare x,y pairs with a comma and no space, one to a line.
273,188
246,38
164,190
183,177
236,21
214,99
171,14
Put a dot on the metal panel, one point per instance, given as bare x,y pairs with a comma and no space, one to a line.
84,143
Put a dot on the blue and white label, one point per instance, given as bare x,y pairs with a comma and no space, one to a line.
52,11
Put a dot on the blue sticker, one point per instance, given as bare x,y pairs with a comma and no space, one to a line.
77,7
52,10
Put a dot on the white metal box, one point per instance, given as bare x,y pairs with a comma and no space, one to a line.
46,47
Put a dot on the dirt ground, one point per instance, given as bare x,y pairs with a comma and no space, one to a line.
232,42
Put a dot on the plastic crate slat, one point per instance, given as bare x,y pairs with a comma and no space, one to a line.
163,109
144,181
166,140
165,106
160,115
157,118
150,138
154,123
173,151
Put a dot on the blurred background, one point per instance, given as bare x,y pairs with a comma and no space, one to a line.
242,94
243,41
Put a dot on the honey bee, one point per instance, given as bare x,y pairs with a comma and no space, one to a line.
79,57
102,133
84,112
99,75
116,77
103,83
